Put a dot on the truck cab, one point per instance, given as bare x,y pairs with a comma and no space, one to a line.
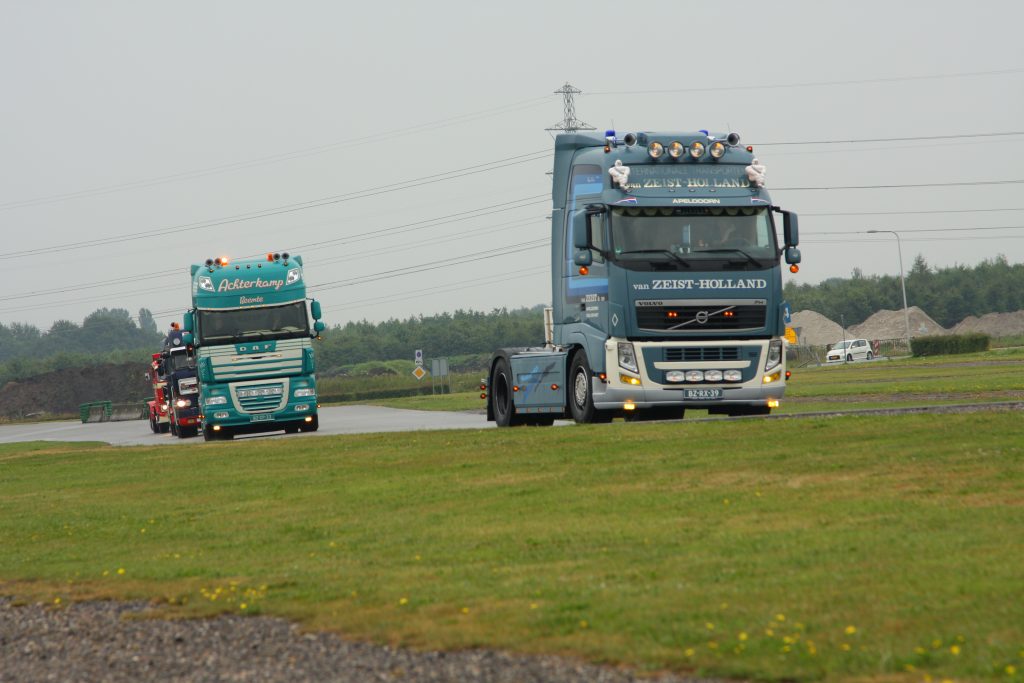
666,285
178,366
251,330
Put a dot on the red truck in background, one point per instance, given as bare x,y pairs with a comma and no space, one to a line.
158,420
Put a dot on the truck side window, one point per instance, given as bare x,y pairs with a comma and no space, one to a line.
597,237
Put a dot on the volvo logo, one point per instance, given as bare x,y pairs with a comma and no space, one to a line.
701,317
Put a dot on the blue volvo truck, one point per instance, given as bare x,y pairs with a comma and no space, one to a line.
251,331
666,257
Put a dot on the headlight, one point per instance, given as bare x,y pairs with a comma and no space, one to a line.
696,150
294,275
694,376
712,375
220,416
717,150
655,149
733,376
675,376
300,393
627,357
774,355
206,283
216,400
675,149
183,403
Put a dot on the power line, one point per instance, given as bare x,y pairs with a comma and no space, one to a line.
441,289
274,158
903,230
289,208
902,139
811,84
908,185
898,213
416,225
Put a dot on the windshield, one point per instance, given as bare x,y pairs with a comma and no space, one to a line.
693,234
254,324
179,360
842,345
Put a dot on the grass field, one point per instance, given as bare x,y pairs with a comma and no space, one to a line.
854,548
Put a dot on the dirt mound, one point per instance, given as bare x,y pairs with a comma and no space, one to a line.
892,325
60,392
993,324
814,329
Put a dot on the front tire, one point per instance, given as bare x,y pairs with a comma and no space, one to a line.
581,393
849,358
502,404
869,356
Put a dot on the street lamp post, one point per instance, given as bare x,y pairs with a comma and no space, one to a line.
903,283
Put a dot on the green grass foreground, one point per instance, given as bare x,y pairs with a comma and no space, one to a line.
841,549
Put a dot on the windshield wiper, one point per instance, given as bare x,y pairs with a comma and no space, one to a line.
749,258
676,257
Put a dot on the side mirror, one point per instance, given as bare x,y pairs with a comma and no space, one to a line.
187,339
188,322
314,308
319,326
792,255
581,232
583,257
790,229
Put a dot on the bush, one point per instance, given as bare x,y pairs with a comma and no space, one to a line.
949,344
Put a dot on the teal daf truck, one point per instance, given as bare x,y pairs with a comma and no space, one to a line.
252,336
666,257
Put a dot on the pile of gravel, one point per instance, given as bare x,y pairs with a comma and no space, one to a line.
893,325
814,329
993,324
101,641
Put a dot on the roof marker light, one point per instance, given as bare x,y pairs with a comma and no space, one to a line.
656,149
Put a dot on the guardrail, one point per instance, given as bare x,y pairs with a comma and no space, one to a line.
106,411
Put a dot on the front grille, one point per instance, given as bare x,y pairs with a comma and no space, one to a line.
701,318
260,398
699,353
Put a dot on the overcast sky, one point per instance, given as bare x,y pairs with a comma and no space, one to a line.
162,133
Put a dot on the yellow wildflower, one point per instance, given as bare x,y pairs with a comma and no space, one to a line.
533,605
120,570
1011,670
56,601
583,623
243,606
403,601
743,635
845,647
689,652
780,617
709,626
465,610
850,630
954,650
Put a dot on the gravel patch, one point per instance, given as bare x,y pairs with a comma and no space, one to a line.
100,641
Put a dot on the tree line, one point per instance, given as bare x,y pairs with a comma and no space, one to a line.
948,295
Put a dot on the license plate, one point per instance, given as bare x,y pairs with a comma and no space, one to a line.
261,418
703,394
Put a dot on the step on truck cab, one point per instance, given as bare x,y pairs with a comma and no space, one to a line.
666,285
251,331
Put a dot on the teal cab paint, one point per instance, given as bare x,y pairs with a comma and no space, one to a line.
253,333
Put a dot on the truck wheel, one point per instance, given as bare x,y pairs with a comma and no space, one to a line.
869,356
581,393
849,358
502,404
164,426
153,425
209,434
174,428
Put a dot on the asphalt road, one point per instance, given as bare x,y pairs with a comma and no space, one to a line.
333,420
